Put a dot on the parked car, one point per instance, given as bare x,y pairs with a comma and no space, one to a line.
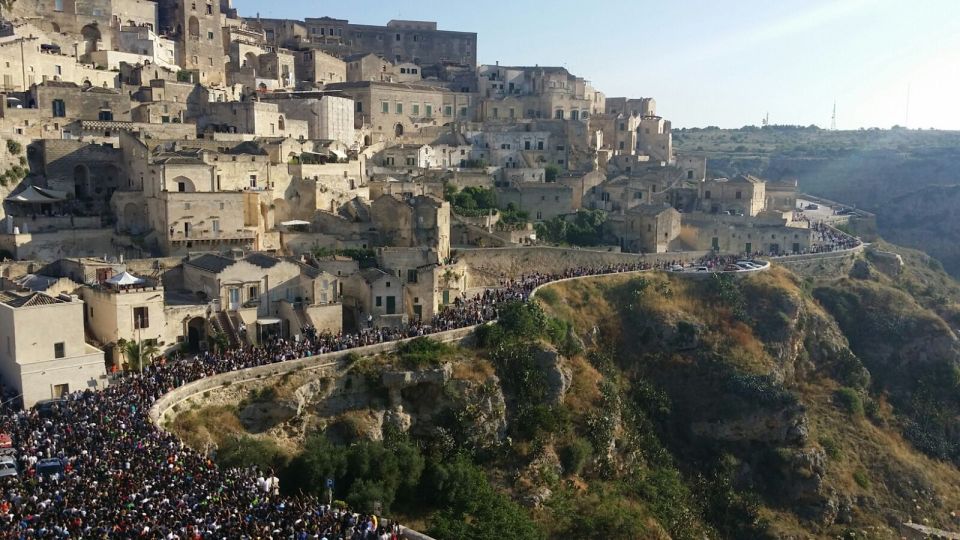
812,206
48,467
676,268
8,466
732,268
702,269
748,265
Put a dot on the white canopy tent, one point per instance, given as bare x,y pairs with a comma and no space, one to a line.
124,279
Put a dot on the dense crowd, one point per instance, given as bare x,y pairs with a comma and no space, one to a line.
126,478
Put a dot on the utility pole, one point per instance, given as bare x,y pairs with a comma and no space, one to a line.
833,118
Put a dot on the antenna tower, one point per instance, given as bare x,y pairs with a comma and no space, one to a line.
833,118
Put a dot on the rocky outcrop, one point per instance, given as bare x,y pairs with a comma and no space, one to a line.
787,427
558,373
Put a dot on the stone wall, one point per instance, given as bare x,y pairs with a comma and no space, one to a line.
488,265
820,265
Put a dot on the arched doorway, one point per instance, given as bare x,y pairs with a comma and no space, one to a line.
81,181
398,130
91,38
196,333
366,140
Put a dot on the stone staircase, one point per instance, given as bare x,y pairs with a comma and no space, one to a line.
226,326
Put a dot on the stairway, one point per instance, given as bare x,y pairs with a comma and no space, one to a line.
226,326
237,322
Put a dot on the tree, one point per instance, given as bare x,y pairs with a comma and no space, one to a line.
551,172
139,354
7,5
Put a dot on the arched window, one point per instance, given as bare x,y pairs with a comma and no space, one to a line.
193,27
281,124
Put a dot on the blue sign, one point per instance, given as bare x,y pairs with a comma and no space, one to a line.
330,483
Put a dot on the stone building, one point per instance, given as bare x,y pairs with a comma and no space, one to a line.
743,194
328,116
256,290
542,201
655,139
41,364
196,27
127,313
319,68
407,156
649,229
259,118
70,100
392,110
29,60
419,42
742,234
374,298
419,221
536,92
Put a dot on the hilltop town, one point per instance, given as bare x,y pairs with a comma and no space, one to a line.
178,175
250,267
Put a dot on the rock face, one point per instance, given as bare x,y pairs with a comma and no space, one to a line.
787,427
559,374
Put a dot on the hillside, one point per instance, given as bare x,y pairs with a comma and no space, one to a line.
904,176
641,407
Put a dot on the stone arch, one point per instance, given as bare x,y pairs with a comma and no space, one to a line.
91,37
366,140
281,124
183,185
81,181
134,218
193,26
196,333
398,130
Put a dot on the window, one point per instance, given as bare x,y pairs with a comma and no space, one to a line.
739,195
416,109
447,110
58,5
706,194
429,111
141,318
253,292
58,70
399,108
526,145
59,351
105,116
463,111
398,37
496,112
59,108
689,175
539,145
215,223
379,301
385,107
411,276
209,9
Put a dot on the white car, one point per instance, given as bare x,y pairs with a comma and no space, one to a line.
676,268
8,467
748,265
702,269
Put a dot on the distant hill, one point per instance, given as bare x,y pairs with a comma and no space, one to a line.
893,173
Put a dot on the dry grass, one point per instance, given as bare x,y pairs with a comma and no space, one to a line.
201,428
474,369
584,392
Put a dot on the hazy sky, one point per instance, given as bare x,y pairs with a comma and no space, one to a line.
715,63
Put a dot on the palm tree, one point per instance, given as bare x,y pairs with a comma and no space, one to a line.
139,354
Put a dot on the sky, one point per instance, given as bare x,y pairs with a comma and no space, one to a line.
727,64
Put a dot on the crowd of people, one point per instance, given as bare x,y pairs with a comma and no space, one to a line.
123,477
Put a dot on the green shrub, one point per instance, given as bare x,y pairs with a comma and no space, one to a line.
548,295
575,455
14,147
849,400
861,478
422,352
831,447
248,451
